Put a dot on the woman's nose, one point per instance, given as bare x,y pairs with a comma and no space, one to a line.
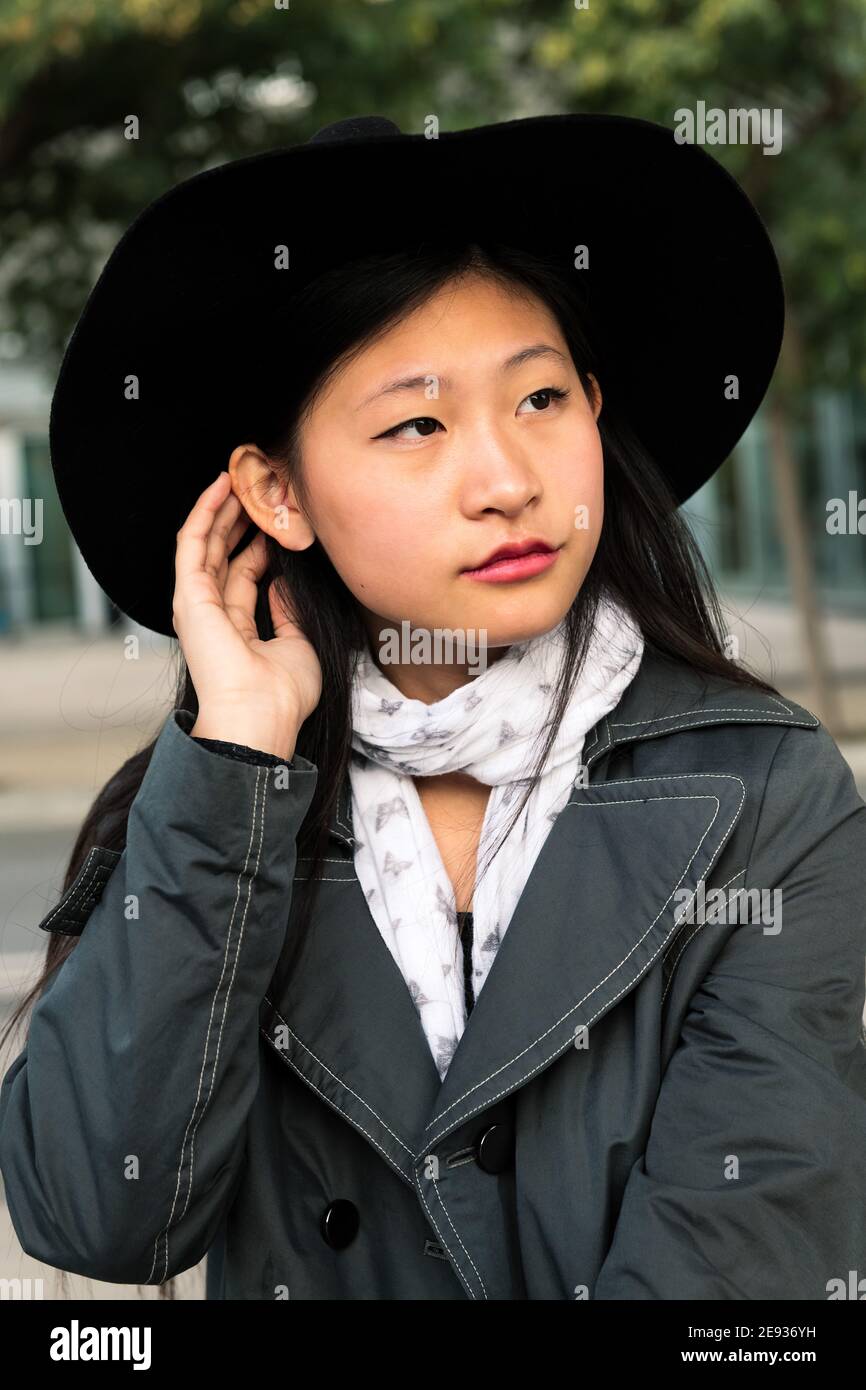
500,477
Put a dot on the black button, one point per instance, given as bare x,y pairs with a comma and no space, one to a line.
494,1149
340,1223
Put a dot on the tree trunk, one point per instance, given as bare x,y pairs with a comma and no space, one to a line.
795,539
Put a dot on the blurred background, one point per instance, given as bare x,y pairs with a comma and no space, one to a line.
783,523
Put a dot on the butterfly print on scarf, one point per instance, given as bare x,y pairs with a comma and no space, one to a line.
375,752
445,1049
395,866
389,706
492,940
386,809
444,904
425,734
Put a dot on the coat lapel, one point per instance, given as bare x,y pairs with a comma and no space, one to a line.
597,910
594,916
344,1019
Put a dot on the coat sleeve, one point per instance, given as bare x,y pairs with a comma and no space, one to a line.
123,1121
752,1184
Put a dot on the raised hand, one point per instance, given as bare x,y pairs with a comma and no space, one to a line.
249,691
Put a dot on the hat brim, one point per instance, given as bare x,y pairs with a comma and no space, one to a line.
683,281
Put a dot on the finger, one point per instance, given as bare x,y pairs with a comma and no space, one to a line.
192,538
240,528
244,572
230,523
237,532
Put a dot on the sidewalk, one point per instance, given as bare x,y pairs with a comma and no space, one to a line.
770,642
72,712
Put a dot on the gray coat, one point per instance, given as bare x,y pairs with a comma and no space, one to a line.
642,1106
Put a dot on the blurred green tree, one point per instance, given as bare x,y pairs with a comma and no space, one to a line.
211,80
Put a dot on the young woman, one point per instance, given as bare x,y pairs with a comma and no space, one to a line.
529,967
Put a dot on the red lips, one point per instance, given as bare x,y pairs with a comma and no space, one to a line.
509,552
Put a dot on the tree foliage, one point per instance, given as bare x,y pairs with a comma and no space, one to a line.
212,80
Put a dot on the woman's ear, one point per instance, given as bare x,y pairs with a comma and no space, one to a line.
595,401
267,499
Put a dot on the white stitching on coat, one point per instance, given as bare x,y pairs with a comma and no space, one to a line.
443,1241
457,1234
712,709
700,723
226,1003
693,934
339,1080
319,1092
625,781
688,724
260,770
323,878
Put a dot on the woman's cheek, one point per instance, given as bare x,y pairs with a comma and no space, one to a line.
373,559
588,504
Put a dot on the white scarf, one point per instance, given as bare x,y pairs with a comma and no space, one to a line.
489,728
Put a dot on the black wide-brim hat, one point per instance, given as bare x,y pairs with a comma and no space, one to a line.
683,283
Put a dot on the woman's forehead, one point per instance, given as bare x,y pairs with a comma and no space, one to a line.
412,354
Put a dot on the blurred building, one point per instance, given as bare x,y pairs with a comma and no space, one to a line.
45,585
734,514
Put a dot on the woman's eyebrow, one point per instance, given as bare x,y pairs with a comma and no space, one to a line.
411,383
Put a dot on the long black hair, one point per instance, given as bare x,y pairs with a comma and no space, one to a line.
647,559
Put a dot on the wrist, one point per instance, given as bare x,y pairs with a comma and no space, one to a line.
266,730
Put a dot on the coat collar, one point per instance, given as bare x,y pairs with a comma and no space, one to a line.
344,1020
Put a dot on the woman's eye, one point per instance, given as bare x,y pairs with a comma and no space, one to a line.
550,392
546,393
419,420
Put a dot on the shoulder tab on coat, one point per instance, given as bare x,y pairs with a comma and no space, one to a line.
70,915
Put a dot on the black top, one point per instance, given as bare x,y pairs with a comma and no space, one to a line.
241,752
464,927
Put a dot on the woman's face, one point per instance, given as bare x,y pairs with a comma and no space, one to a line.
444,441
